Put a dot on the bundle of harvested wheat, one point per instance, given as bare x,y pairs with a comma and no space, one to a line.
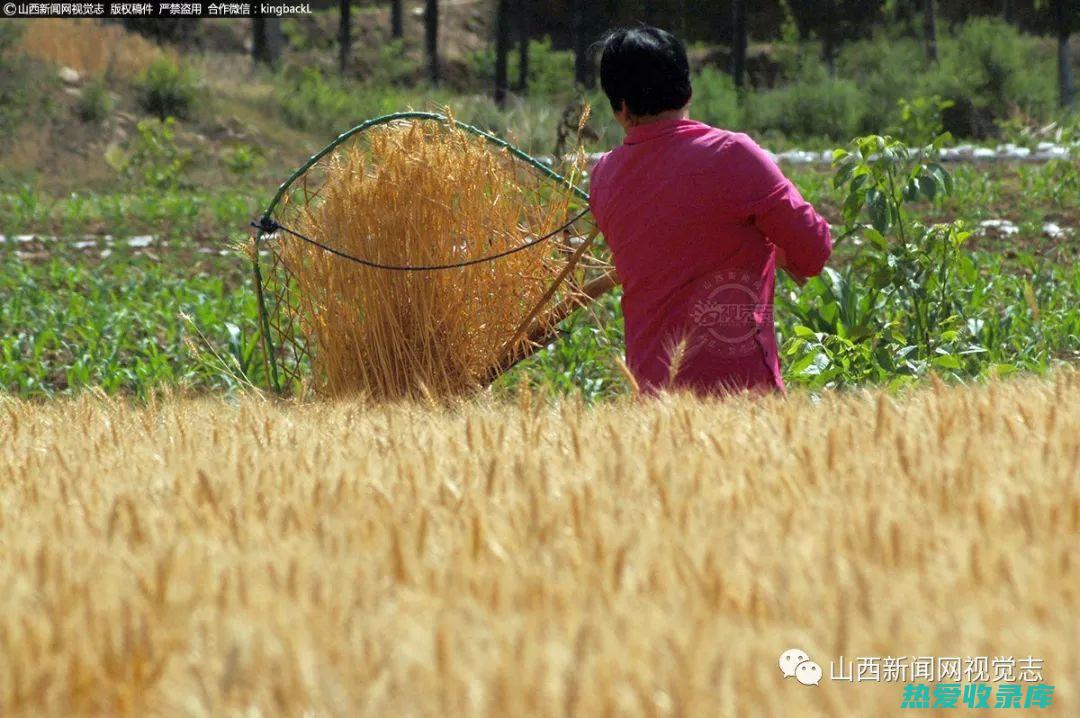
421,194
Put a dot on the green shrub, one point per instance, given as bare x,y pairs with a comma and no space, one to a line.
95,103
9,35
394,66
166,89
815,107
311,102
921,119
242,159
152,158
715,100
9,89
990,70
551,72
27,93
886,69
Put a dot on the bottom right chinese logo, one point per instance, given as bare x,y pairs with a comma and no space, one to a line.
952,681
936,682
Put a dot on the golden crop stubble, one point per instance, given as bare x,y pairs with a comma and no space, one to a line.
633,558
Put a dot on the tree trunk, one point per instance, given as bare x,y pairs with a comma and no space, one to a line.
1007,11
258,39
828,53
610,14
1064,29
397,19
738,44
904,17
502,49
266,40
431,39
522,85
583,74
345,36
930,23
648,13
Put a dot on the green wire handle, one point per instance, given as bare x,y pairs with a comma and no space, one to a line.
264,320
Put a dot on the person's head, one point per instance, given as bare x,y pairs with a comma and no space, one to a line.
644,73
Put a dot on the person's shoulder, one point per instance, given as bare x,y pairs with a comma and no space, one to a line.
598,165
597,179
741,146
722,146
598,175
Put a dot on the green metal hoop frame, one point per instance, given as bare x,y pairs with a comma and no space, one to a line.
267,215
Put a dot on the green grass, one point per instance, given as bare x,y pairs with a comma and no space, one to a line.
211,215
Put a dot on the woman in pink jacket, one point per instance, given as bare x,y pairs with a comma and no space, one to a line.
698,219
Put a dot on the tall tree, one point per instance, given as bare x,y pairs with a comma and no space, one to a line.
344,35
648,12
397,19
583,37
1066,13
738,43
930,26
502,49
834,22
431,39
266,40
901,11
521,13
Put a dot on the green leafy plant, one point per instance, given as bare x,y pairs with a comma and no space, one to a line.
153,158
167,89
921,118
95,103
898,309
242,159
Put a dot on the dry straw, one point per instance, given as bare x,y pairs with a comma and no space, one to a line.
88,46
420,194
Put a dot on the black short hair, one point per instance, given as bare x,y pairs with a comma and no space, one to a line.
646,67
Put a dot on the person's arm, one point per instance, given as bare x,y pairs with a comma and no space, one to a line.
782,263
800,235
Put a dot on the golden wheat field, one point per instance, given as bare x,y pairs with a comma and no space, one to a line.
539,558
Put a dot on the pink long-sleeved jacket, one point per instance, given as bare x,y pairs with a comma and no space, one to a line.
693,216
